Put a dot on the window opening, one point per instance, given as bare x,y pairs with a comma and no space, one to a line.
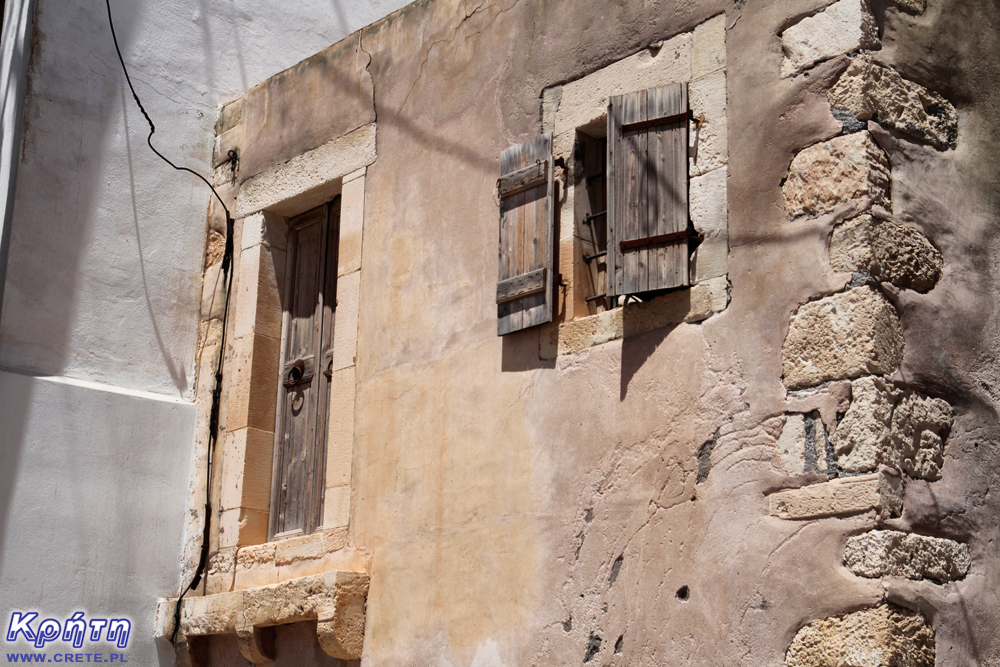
299,473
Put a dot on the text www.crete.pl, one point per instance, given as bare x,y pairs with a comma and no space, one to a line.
66,657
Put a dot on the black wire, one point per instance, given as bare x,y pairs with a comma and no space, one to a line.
227,276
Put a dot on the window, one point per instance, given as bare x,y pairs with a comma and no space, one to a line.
299,478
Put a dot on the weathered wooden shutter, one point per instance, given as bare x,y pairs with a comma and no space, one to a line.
299,478
525,291
648,190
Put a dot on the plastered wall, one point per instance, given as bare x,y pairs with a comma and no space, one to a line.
676,496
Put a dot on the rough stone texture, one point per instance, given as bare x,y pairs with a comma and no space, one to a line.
920,425
804,445
915,6
894,252
845,26
831,173
335,600
851,244
891,553
842,336
869,90
863,434
882,492
886,636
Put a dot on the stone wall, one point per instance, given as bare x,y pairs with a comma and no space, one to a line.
789,461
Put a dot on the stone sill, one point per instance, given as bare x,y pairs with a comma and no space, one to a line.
335,600
275,562
698,303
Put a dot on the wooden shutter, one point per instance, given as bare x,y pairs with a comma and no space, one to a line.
525,291
648,190
299,478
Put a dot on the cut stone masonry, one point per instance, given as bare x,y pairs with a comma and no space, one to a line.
891,553
869,90
885,636
831,173
886,425
882,492
843,27
842,336
892,251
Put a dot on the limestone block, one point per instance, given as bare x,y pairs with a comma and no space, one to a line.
299,184
352,218
252,382
863,433
884,636
345,328
920,425
844,26
868,90
340,436
709,215
337,506
803,444
903,256
842,336
792,444
880,491
708,47
851,244
891,553
708,143
220,571
309,547
230,115
831,173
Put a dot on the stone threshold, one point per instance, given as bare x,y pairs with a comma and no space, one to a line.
334,600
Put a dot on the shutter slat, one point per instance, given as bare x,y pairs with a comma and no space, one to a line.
526,234
647,159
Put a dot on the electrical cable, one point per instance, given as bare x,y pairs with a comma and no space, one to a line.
227,277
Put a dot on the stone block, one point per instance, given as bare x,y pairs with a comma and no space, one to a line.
337,506
842,336
709,215
863,433
903,256
708,47
792,444
252,383
804,445
258,301
230,115
920,425
915,6
708,143
882,492
884,636
345,330
869,90
851,244
891,553
352,219
831,173
843,27
306,181
309,547
894,252
340,437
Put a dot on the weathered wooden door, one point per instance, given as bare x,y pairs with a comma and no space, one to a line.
299,477
648,190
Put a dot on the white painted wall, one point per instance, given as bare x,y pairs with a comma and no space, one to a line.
103,284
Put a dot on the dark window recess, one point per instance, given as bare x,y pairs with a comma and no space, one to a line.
648,230
299,473
525,282
592,228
